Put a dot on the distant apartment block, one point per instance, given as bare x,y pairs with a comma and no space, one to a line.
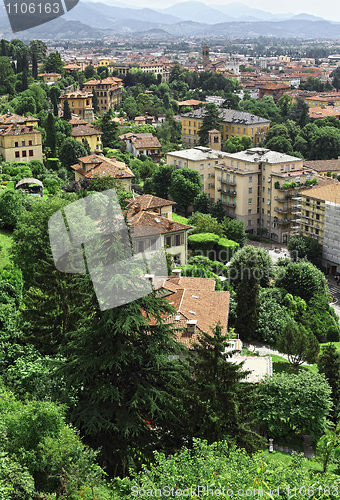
108,90
80,103
233,123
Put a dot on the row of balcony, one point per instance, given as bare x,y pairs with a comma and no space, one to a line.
283,199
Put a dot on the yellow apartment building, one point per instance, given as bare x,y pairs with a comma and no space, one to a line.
320,212
108,90
20,143
161,68
80,103
257,186
91,134
50,77
322,100
233,123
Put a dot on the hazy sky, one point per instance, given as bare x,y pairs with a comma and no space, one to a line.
328,9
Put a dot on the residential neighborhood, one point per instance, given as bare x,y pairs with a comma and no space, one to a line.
194,182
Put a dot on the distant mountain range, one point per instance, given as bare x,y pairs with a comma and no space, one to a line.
92,20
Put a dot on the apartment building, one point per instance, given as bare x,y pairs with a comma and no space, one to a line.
20,143
108,90
232,123
257,186
157,68
320,214
86,132
80,103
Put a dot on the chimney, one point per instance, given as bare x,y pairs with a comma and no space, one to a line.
176,273
150,277
191,326
171,224
113,158
137,208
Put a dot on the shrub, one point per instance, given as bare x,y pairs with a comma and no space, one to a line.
203,241
226,249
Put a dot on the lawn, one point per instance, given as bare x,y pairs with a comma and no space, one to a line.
5,244
180,219
308,463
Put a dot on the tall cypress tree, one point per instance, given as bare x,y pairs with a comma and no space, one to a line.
95,101
67,111
51,134
34,66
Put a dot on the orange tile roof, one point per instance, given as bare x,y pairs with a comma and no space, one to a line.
143,222
323,165
146,201
200,302
81,130
316,112
103,167
328,192
10,118
18,130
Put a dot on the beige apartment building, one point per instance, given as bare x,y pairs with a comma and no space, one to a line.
80,103
233,123
257,186
320,212
108,90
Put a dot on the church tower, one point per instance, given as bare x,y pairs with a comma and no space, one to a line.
205,55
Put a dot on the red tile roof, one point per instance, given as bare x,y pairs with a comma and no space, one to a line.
147,201
102,167
143,222
81,130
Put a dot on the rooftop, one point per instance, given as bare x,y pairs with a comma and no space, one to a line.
229,116
147,201
327,192
323,165
199,153
80,130
145,223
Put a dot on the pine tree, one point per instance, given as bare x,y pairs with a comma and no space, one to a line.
109,129
247,309
211,120
219,400
67,111
120,367
87,146
3,49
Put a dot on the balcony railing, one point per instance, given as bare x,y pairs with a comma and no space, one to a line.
225,181
229,204
283,199
284,210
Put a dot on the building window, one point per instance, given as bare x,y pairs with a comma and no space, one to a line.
306,229
30,143
249,211
316,231
168,241
317,216
268,212
17,154
263,189
249,222
250,178
16,144
202,177
250,190
262,211
178,240
141,246
23,143
269,190
24,154
201,166
250,201
30,153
